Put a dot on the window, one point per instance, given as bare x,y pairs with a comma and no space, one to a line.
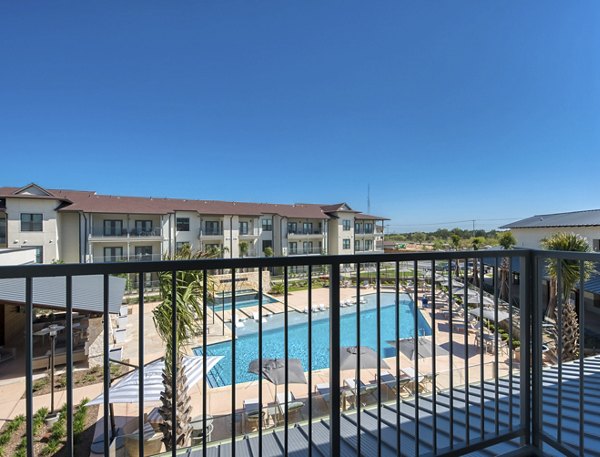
183,224
595,245
292,227
357,245
293,248
2,231
243,228
357,227
307,247
212,228
181,244
113,254
143,252
307,228
113,228
267,225
368,227
368,245
31,222
346,243
143,227
347,224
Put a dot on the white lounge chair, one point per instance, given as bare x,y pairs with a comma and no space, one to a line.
256,317
321,307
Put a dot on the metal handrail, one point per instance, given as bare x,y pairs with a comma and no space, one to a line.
527,398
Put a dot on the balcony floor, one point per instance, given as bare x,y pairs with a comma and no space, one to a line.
298,435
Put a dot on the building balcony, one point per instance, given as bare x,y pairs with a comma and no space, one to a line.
423,364
101,235
295,234
210,234
124,258
248,235
307,251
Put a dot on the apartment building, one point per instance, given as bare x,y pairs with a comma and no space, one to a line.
83,226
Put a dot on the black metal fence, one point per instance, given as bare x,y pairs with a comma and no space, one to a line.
477,394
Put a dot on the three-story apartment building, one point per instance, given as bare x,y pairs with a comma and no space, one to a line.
83,226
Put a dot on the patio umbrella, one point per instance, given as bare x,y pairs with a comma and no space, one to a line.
349,356
489,314
127,389
273,370
422,347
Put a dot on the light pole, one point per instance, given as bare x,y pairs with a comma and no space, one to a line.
52,331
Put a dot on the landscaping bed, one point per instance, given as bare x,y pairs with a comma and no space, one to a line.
80,378
49,440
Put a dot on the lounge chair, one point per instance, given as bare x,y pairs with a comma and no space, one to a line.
405,384
252,415
256,317
294,407
321,307
366,390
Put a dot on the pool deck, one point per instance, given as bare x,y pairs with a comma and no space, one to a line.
219,399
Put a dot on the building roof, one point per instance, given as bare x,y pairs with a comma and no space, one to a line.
88,293
363,216
587,218
91,202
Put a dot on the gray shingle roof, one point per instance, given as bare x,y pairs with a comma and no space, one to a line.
573,219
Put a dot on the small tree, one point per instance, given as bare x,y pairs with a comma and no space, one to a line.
268,251
455,241
476,243
570,273
243,248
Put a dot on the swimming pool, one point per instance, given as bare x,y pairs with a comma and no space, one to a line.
273,336
243,299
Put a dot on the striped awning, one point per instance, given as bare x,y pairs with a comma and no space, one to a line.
51,292
127,389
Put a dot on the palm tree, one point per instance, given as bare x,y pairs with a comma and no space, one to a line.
570,273
507,241
188,303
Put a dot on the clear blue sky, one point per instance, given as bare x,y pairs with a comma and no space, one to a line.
450,110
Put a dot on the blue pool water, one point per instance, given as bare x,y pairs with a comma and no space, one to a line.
273,337
243,299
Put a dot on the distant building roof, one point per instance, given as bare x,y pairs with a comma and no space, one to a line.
587,218
91,202
88,293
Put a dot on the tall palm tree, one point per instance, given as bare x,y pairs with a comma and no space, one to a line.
188,303
570,272
507,240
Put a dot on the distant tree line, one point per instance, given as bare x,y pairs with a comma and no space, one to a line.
454,238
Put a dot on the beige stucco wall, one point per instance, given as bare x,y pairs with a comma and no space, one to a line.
69,237
48,238
531,237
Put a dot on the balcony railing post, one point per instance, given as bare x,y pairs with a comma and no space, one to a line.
527,304
334,356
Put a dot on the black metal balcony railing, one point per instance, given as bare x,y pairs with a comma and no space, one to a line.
477,400
305,232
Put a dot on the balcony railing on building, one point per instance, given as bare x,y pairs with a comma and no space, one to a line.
426,353
126,233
